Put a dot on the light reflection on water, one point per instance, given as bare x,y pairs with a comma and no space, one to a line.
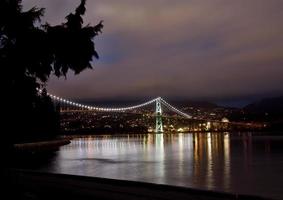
242,163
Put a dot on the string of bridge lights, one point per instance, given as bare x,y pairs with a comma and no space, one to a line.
175,109
121,109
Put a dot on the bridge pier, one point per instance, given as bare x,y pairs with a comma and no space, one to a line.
158,113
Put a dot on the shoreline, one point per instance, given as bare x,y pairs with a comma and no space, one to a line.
42,145
78,135
49,185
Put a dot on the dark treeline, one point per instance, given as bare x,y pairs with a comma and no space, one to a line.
29,53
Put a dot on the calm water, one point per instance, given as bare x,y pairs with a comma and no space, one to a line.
244,163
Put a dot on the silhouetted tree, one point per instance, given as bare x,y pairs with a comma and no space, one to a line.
29,53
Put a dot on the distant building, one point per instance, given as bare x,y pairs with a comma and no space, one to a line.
224,119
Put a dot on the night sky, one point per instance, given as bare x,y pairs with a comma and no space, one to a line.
218,50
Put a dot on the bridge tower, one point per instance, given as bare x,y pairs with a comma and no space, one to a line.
158,113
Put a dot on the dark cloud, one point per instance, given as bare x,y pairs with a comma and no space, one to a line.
220,49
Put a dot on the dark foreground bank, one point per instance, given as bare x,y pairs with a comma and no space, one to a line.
28,184
41,146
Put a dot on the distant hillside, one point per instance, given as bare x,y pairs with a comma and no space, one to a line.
196,104
268,110
270,105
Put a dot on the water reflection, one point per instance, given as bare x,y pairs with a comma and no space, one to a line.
226,171
216,161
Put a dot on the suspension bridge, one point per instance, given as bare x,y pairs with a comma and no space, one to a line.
158,102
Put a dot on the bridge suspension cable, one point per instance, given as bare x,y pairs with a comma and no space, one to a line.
120,109
175,109
103,109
